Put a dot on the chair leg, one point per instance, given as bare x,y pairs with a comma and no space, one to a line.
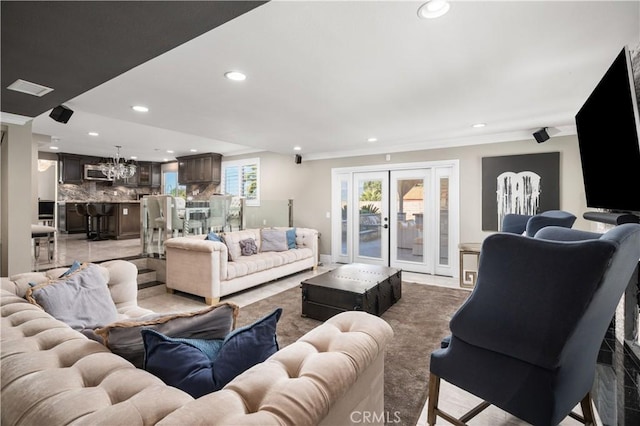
434,393
587,410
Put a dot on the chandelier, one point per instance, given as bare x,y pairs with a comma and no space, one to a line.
117,168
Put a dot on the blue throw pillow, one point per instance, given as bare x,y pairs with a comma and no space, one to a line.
212,236
198,367
291,238
74,267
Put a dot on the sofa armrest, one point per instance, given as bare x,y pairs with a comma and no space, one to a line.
307,237
303,382
196,266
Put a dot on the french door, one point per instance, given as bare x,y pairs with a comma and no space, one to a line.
404,217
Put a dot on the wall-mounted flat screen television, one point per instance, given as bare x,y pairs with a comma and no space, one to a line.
608,126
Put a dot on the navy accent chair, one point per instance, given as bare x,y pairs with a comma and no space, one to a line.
527,338
519,223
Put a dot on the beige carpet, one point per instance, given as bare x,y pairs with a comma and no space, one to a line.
419,321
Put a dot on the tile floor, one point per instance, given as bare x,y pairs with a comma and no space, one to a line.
616,391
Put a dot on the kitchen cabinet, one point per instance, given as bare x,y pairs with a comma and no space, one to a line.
127,217
71,168
201,168
69,221
149,174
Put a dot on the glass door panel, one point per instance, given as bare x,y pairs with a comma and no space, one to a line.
409,195
370,210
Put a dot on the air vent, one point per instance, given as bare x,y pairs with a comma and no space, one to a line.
29,88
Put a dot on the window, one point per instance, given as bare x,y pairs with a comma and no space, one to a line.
171,186
241,178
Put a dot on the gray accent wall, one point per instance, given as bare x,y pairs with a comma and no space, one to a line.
309,183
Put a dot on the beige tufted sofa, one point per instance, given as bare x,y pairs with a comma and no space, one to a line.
201,267
53,375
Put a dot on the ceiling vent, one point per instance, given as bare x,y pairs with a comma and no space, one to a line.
29,88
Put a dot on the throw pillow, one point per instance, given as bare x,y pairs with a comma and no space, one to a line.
184,365
291,238
123,338
81,299
273,240
212,236
248,247
74,267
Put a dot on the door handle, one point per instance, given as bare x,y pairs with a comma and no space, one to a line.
385,226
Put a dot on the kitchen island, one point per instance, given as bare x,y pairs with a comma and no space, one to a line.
122,222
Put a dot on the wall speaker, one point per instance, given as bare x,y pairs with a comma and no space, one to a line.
298,158
61,114
541,135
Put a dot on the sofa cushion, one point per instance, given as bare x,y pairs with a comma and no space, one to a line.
291,238
123,337
80,299
189,366
248,247
273,240
213,236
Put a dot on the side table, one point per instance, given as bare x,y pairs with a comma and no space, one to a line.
468,277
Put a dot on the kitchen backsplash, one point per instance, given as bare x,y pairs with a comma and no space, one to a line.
105,191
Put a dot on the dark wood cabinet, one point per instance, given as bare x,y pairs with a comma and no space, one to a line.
201,168
71,168
128,220
69,221
149,174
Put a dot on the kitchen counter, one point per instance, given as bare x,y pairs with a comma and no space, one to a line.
124,221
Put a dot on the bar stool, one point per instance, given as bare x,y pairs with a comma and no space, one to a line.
81,209
99,212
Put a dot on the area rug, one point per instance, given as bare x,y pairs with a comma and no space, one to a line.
420,319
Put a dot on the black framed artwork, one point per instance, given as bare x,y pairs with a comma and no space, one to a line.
523,184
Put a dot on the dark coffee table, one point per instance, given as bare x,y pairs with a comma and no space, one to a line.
352,287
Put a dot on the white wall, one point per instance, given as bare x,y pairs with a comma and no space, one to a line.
309,183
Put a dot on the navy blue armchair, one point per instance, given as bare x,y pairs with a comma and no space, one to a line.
519,223
527,338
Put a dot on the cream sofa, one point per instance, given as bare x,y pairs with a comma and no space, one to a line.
202,267
53,375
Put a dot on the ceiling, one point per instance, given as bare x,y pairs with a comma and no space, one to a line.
324,76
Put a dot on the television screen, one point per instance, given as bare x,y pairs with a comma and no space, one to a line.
608,127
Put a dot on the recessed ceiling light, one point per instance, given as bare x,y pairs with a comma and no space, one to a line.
235,75
133,157
372,140
165,159
94,134
140,108
169,151
434,9
297,148
193,150
53,147
478,125
28,87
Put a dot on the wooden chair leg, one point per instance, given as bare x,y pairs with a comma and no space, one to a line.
587,410
434,393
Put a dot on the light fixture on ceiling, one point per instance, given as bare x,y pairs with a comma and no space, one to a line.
372,140
54,147
297,148
235,75
193,150
94,134
433,9
118,168
29,88
478,125
140,108
169,151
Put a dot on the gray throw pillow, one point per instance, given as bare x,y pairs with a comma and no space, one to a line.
273,240
124,338
80,299
248,247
